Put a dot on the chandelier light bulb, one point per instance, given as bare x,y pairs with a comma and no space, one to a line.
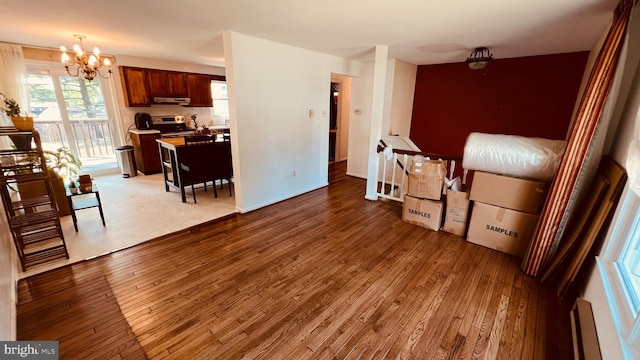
63,48
65,57
96,51
107,62
92,60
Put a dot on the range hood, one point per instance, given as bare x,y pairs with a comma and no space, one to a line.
172,100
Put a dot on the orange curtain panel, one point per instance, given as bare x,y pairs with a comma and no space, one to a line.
587,117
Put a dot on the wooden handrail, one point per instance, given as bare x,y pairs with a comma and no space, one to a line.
383,145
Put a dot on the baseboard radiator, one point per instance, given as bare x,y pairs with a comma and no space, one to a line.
583,327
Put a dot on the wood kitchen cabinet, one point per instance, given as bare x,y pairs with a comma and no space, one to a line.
145,151
200,90
135,86
142,85
167,83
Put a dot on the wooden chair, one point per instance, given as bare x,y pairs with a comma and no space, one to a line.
196,163
222,169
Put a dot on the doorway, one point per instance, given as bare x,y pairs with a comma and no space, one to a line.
333,119
71,112
339,104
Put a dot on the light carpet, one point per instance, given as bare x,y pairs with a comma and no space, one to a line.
136,209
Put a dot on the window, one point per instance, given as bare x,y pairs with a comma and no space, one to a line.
220,109
72,112
620,271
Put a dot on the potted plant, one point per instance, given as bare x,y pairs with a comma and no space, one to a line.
194,118
62,164
72,187
12,109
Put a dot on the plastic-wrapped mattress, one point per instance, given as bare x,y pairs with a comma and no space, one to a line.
511,155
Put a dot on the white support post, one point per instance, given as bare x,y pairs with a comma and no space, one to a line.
377,112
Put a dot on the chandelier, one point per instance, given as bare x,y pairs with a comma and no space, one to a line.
89,65
479,58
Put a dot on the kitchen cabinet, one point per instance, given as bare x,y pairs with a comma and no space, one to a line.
200,90
141,85
135,86
145,151
167,83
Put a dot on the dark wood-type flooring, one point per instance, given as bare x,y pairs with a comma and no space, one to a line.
325,275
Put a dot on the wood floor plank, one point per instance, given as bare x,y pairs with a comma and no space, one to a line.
325,275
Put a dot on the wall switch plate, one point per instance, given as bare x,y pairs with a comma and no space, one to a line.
310,113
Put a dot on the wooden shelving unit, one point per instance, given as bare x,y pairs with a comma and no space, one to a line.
32,215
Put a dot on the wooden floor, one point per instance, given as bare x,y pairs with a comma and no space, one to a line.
326,275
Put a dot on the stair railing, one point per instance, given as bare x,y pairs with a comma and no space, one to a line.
394,170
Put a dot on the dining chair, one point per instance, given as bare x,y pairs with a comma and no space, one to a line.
196,163
222,169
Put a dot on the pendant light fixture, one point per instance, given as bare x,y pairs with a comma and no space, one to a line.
479,58
87,64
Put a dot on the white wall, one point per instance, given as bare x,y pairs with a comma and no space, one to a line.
404,86
279,151
8,279
398,107
360,122
627,109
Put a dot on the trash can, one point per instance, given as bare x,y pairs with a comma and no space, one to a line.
126,160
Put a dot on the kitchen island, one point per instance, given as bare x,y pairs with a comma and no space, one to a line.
145,148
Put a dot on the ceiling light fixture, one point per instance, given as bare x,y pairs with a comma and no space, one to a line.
88,65
479,58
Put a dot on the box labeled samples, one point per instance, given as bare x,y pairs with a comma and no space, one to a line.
501,229
422,212
426,178
508,192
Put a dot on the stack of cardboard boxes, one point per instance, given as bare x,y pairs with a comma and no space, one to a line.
422,204
505,211
504,214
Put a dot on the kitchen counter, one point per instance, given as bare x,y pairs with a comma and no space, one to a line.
219,127
178,134
144,132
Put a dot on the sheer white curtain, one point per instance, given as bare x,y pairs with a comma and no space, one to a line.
633,158
13,79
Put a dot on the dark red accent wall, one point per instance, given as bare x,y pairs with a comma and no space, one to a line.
529,96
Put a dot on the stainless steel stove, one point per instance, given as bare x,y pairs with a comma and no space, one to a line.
168,123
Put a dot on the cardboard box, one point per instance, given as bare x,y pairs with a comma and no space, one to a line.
426,179
422,212
508,192
456,213
501,229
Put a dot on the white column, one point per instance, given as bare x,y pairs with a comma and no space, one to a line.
377,112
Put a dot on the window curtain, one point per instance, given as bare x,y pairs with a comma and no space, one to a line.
585,123
13,79
633,156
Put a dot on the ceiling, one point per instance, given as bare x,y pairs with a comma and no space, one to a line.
416,31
